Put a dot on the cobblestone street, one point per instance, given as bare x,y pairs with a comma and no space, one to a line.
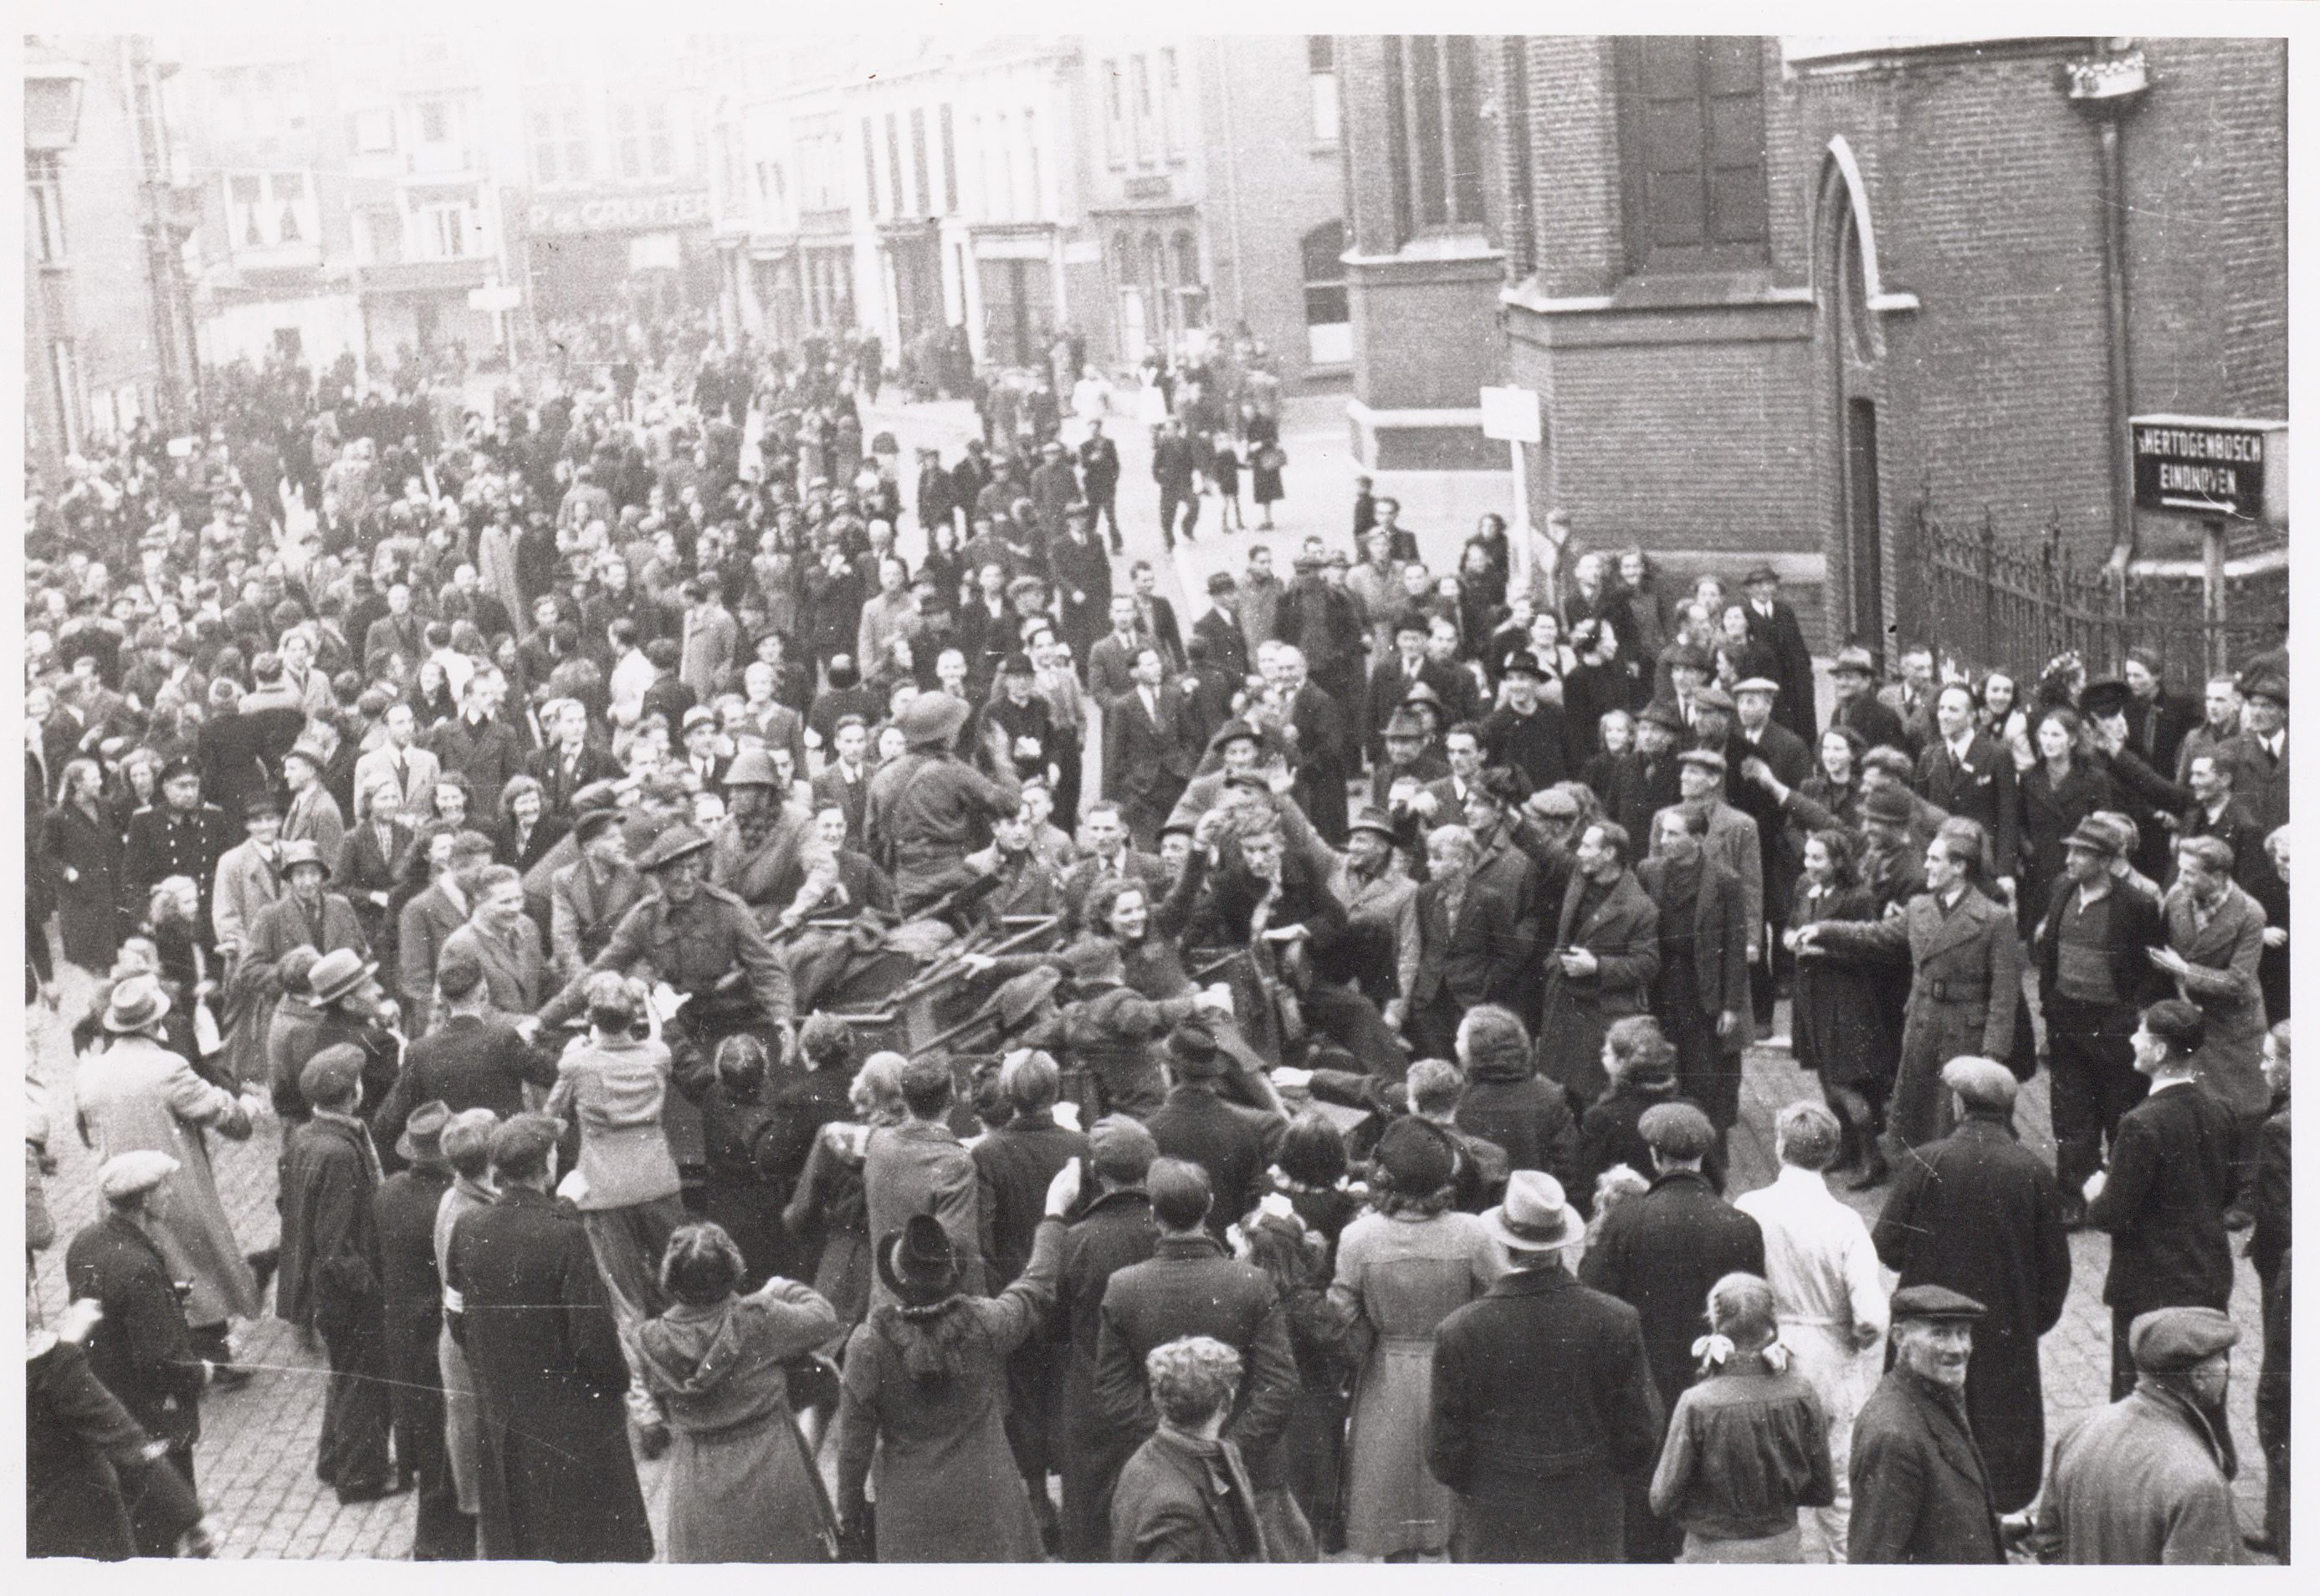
256,1462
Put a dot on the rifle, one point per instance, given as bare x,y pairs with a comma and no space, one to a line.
952,963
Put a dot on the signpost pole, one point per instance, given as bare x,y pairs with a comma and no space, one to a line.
1521,457
2218,648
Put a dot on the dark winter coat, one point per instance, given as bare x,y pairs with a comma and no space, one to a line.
2170,1181
1920,1493
1979,1213
1543,1400
1661,1252
1623,933
558,1481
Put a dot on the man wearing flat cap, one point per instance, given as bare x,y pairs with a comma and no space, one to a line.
1543,1407
1730,835
142,1348
1920,1493
177,834
2261,748
1979,1213
2094,975
1858,707
2147,1480
332,1271
1662,1253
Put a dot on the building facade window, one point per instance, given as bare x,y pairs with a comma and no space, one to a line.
1139,82
44,206
949,166
1692,153
869,167
434,121
443,231
921,178
1115,117
270,209
1321,84
1434,132
660,144
1171,107
628,142
820,143
1031,156
372,132
1328,311
896,195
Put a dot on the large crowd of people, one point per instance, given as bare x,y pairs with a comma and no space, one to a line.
1345,991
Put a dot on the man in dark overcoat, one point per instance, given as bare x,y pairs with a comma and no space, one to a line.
559,1480
142,1348
1920,1493
1970,774
1605,958
1774,623
1113,1231
1543,1400
404,1206
331,1270
1979,1213
1700,995
1661,1253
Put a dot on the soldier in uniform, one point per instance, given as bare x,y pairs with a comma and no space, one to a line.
759,852
703,941
179,836
1109,1030
929,809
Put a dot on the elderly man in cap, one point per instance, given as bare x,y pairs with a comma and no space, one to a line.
2092,950
699,939
1543,1400
1979,1213
1661,1252
1828,1292
2163,1195
1731,835
2148,1480
142,1348
332,1273
929,809
558,1480
1112,1231
405,1209
134,1094
1920,1493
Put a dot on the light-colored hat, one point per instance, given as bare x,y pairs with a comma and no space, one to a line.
130,1175
1534,1217
136,1003
338,973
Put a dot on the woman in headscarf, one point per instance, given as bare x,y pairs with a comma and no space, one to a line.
741,1485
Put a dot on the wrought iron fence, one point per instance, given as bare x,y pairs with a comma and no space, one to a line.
1992,602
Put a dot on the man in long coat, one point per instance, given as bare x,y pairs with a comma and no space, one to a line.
1920,1493
249,881
1774,623
1662,1253
1543,1398
559,1480
404,1208
2214,945
181,835
1606,955
1980,1214
1966,978
1700,994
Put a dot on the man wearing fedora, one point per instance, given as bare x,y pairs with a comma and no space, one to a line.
308,915
135,1095
1979,1213
332,1279
929,809
1196,1125
142,1347
404,1208
1525,732
2148,1480
1542,1403
350,1011
1920,1493
2094,976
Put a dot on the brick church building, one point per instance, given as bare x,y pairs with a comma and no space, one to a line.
1779,295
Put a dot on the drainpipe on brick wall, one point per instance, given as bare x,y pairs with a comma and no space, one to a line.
1232,184
2108,88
